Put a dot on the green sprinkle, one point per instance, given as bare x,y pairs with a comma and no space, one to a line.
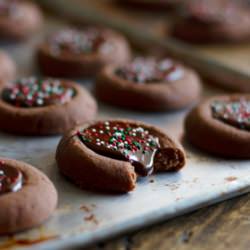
137,144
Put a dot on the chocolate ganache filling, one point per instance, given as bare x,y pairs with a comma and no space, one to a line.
10,179
33,92
150,70
234,113
77,42
124,141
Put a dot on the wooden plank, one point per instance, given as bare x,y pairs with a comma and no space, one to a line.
221,227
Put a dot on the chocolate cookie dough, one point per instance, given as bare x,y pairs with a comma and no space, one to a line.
221,125
81,53
7,69
27,196
18,19
213,21
148,84
109,155
34,106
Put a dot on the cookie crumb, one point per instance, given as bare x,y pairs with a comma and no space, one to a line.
91,218
231,178
172,186
85,208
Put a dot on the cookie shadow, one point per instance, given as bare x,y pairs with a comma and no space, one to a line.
200,155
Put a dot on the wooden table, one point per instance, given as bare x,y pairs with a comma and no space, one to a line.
223,226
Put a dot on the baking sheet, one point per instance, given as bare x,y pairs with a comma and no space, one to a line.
84,217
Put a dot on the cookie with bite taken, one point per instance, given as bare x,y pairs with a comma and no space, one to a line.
108,156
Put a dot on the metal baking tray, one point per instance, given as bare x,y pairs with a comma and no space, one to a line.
85,217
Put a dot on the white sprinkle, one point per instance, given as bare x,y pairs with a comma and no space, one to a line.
119,134
29,97
101,132
39,101
140,129
12,97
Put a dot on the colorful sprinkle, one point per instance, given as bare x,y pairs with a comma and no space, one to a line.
34,92
80,41
123,141
234,113
10,179
150,70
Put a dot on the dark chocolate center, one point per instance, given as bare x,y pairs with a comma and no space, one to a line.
10,179
150,70
80,41
33,92
234,113
123,141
